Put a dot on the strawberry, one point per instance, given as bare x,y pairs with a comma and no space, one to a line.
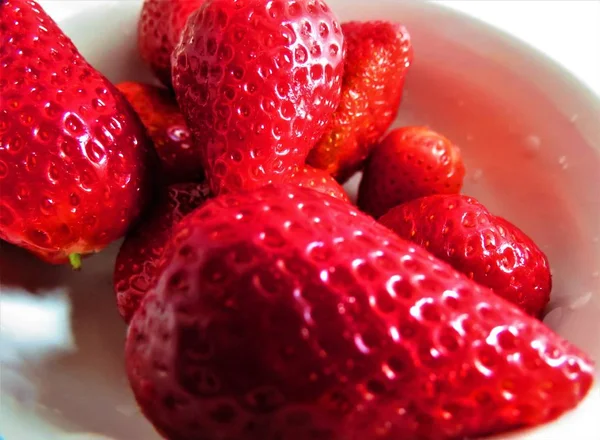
138,259
159,29
166,126
410,163
75,163
378,57
257,81
284,313
488,249
319,180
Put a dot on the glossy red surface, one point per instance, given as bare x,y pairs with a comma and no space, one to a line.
257,82
75,163
378,57
159,29
318,180
179,156
489,249
409,163
137,263
287,314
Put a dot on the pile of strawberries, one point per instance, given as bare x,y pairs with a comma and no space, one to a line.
261,303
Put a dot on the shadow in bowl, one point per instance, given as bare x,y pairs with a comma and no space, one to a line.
68,380
20,269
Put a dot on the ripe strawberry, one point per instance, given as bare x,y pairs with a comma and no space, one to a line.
138,259
488,249
319,180
410,163
257,82
157,108
378,57
75,163
159,29
286,314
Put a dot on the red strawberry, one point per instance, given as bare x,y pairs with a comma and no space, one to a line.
319,180
257,81
138,260
159,29
287,314
74,158
378,57
410,162
166,126
488,249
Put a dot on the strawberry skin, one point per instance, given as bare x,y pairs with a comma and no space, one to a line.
410,163
284,313
138,260
319,180
75,163
489,249
158,110
139,256
258,81
159,29
377,61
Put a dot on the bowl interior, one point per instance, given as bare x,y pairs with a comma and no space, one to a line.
530,135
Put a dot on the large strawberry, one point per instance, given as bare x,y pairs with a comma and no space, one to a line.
287,314
487,248
138,259
410,163
157,108
159,29
74,158
257,81
377,60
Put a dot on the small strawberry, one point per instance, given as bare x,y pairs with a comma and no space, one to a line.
75,162
318,180
257,81
158,110
284,313
138,259
378,57
159,29
410,163
488,249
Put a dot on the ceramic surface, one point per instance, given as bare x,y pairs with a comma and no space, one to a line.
530,134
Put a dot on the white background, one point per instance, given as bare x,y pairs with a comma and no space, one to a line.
567,31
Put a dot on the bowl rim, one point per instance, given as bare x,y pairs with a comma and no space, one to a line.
584,95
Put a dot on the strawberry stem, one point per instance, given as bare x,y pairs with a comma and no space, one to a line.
75,260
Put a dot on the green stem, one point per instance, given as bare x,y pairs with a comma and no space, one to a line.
75,260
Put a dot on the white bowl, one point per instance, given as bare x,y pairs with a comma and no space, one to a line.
530,134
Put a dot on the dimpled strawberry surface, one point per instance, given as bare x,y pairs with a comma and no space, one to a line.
378,58
75,162
287,314
159,29
178,153
258,82
409,163
137,263
489,249
318,180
